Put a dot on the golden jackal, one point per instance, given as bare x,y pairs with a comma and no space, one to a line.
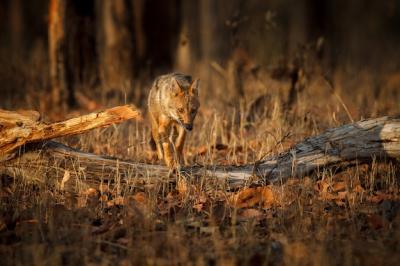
173,103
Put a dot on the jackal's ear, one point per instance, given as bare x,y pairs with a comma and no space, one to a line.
194,88
176,88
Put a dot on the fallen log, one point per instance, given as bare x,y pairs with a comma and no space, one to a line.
53,163
19,128
361,142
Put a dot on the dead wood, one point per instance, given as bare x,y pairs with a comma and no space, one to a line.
53,163
361,142
17,129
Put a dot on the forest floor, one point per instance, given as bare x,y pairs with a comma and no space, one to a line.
328,218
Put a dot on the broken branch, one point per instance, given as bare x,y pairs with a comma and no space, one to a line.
17,129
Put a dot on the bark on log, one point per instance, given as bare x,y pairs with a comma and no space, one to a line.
17,129
360,142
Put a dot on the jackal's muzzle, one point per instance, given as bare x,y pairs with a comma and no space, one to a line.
188,127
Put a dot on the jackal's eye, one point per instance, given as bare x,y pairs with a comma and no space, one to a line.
181,110
193,111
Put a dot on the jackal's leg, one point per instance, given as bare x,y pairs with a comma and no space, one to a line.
156,140
179,142
174,133
163,133
153,155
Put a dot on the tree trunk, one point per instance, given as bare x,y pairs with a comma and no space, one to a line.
189,50
139,40
56,44
360,142
16,27
80,48
162,26
72,50
115,43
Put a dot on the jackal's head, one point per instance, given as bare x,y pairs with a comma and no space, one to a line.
184,103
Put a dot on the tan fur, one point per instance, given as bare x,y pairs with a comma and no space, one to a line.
173,103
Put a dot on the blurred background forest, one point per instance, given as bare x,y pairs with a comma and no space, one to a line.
57,55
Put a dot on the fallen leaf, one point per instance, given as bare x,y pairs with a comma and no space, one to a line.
322,186
342,195
91,192
139,197
118,201
103,198
333,196
268,197
358,189
338,186
252,196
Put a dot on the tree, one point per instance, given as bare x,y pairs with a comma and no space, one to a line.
115,42
72,50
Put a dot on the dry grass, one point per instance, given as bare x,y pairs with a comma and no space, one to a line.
352,217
